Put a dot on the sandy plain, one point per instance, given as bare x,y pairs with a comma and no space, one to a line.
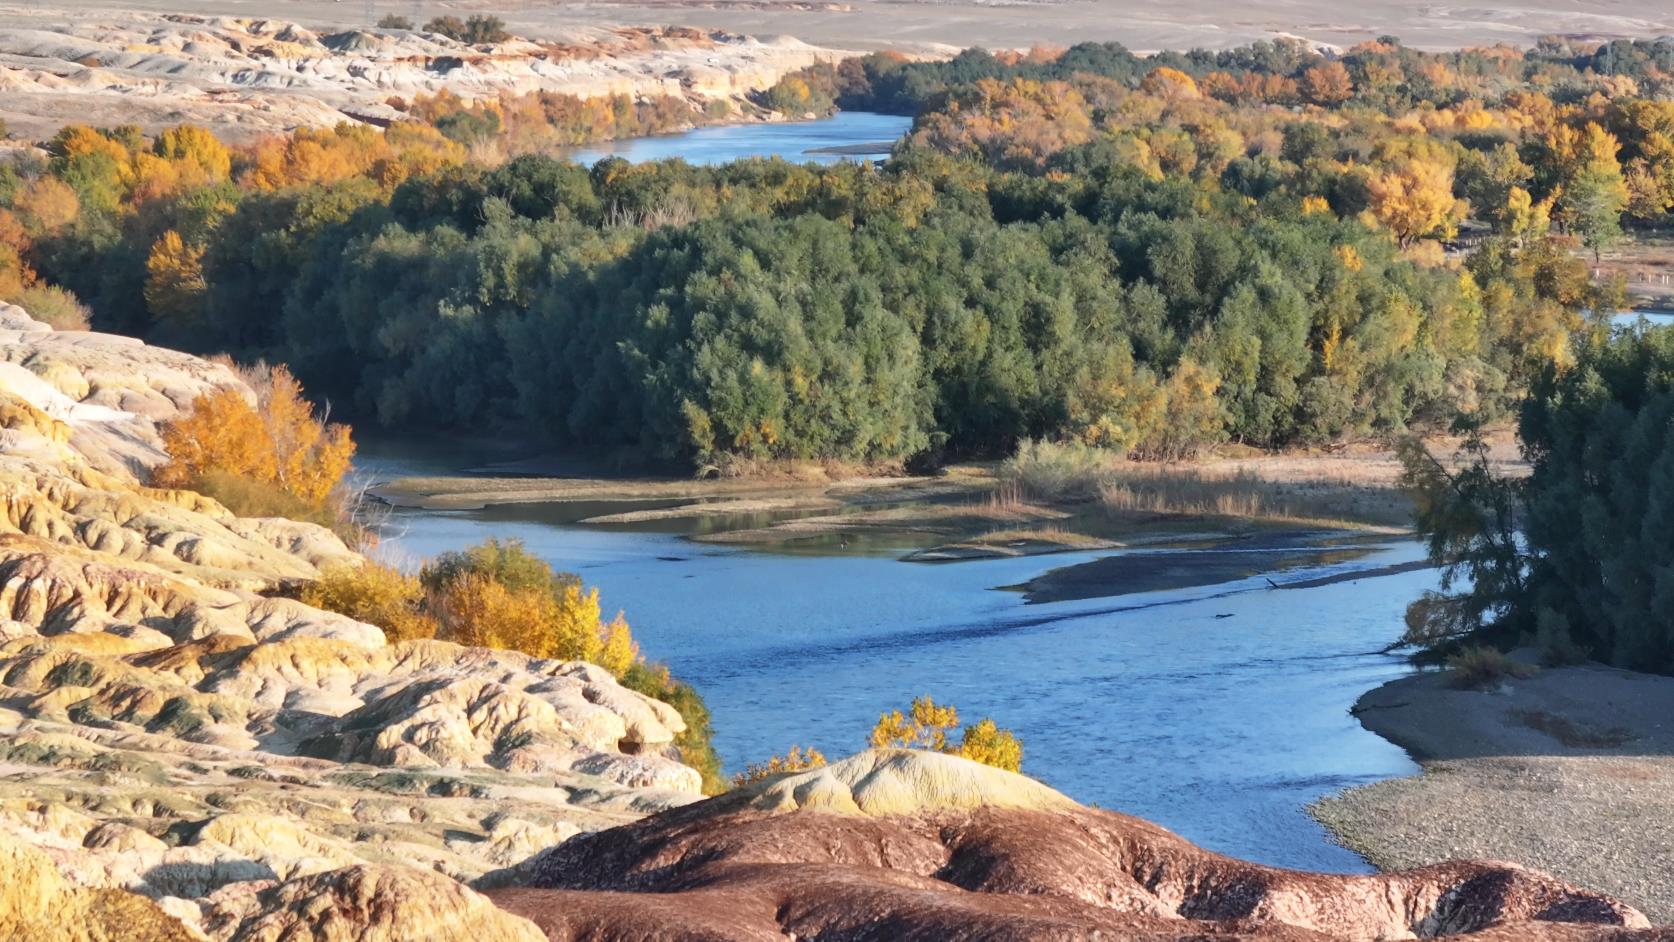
933,25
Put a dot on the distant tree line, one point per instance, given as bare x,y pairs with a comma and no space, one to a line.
1151,255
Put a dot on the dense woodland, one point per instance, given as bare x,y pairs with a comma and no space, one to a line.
1147,254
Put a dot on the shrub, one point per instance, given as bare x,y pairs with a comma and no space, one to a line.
53,305
249,497
507,562
1483,668
376,594
499,595
796,760
929,725
987,743
394,21
475,30
1054,471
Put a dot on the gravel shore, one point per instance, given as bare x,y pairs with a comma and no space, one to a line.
1570,771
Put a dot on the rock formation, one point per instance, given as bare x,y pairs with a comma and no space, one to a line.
171,725
245,77
911,845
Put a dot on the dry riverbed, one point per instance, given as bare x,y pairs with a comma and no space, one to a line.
1570,770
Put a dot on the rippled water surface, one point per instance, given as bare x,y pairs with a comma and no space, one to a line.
1219,712
859,134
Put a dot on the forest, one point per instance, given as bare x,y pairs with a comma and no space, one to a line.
1266,245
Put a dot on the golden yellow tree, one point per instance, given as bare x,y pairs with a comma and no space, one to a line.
928,725
277,440
196,147
221,432
1412,195
174,281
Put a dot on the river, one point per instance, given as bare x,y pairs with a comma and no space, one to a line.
1219,712
857,134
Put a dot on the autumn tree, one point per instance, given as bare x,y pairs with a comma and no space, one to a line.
195,147
929,725
174,283
1410,190
277,439
1327,84
1595,192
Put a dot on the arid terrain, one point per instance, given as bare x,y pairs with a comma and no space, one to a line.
934,25
249,75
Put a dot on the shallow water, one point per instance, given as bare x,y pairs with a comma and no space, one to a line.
1218,711
796,141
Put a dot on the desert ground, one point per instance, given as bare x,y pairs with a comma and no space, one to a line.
876,24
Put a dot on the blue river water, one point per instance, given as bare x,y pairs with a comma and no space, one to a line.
796,141
1219,712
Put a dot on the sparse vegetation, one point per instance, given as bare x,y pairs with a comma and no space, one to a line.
394,21
377,594
1483,668
796,759
477,29
929,725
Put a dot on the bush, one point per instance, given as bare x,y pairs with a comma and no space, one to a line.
376,594
928,725
394,21
1483,668
499,595
796,760
507,562
1054,471
475,30
53,305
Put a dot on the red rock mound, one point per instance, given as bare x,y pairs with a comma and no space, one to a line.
857,852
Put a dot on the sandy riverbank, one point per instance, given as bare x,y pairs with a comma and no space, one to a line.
1570,770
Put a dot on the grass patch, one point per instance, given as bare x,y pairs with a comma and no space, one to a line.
1069,473
1180,490
1483,668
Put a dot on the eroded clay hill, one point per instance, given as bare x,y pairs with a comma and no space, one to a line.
187,754
245,76
169,725
921,846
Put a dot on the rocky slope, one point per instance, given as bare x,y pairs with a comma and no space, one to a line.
250,76
170,726
903,845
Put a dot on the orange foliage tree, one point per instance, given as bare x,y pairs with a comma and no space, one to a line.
275,440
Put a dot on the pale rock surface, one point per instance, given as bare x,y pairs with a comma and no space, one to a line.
173,726
245,76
